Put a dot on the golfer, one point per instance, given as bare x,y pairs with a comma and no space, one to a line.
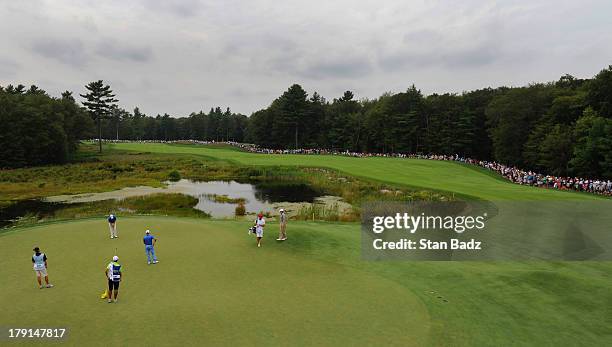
112,225
39,260
260,223
149,242
282,218
114,273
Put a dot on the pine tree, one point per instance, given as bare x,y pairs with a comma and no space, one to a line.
99,101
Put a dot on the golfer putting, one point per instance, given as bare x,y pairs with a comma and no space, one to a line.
39,261
149,242
260,223
113,273
112,225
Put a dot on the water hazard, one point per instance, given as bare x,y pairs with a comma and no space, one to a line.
257,196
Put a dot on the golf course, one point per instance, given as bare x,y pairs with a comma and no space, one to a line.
446,176
212,286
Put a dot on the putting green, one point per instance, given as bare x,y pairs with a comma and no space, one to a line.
429,174
211,287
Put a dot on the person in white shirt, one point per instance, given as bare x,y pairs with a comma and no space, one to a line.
39,262
260,223
114,274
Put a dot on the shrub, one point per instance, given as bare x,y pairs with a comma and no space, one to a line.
174,176
224,199
240,210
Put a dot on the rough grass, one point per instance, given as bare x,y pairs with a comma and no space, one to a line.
164,204
114,169
179,205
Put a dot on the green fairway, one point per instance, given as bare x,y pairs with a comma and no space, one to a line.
430,174
213,286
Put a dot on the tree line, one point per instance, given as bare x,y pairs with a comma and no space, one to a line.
216,125
38,129
562,127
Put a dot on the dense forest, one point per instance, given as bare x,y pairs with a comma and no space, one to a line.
562,127
37,129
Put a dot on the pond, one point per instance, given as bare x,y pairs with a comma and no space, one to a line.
258,195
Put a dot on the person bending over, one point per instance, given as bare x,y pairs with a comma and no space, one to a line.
112,225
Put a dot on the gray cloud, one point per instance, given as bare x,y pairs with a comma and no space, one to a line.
8,68
241,92
468,48
67,51
468,57
472,57
113,49
422,36
348,67
180,8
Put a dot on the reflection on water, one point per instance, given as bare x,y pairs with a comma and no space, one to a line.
259,196
281,192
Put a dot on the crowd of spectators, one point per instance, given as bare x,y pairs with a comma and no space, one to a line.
532,178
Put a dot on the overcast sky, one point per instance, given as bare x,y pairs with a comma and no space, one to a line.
176,57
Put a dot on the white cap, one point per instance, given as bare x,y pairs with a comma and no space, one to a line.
148,231
115,258
281,210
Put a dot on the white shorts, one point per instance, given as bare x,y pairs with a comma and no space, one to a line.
259,232
41,273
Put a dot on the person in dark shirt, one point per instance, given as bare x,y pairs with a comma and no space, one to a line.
112,225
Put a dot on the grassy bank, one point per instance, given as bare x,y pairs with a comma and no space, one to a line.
114,169
179,205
